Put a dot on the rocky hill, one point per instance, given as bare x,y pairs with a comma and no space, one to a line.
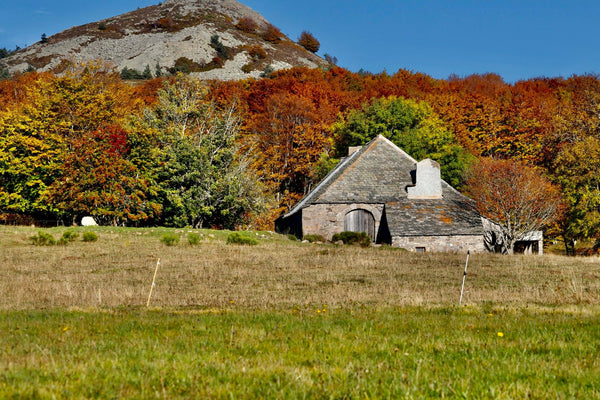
215,39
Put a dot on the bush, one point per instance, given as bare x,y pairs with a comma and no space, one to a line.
360,238
131,74
309,42
247,24
257,52
43,239
247,68
170,239
222,51
193,238
238,238
267,71
314,238
69,236
89,237
272,34
293,238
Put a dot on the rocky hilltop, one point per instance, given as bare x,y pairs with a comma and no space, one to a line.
214,39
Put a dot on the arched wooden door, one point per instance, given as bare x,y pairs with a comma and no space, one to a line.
360,221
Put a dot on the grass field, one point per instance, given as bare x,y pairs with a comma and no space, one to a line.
289,320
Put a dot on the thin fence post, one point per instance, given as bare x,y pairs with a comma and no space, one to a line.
153,283
462,289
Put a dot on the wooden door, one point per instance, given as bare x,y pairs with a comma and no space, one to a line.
360,221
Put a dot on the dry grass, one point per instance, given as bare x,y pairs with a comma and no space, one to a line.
277,274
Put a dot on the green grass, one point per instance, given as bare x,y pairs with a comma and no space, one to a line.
403,352
251,321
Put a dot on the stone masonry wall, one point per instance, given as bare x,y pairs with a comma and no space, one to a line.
328,219
454,244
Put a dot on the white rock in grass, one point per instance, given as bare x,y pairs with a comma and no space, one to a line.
88,221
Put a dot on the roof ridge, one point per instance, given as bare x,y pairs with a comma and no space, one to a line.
339,169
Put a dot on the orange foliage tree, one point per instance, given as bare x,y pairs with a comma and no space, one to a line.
272,34
247,24
514,197
309,42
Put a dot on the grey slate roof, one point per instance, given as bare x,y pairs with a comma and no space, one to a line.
453,214
378,174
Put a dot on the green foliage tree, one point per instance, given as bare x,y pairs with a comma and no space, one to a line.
409,124
132,74
147,74
222,50
577,170
203,181
4,72
158,70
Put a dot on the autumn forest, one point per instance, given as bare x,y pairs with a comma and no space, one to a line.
176,151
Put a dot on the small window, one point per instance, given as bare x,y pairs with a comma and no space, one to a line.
420,249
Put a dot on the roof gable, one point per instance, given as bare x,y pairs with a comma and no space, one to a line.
379,173
363,176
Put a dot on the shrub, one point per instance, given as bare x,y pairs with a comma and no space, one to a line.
314,238
69,236
193,238
222,50
131,73
360,238
43,239
247,68
257,52
89,237
309,42
293,238
238,238
165,23
185,65
247,24
169,239
272,34
267,71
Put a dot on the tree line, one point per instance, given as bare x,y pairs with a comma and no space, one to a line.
229,154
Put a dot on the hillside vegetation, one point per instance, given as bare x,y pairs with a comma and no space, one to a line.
174,35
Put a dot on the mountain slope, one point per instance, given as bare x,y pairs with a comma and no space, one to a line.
175,35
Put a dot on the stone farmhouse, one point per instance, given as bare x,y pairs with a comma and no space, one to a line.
381,190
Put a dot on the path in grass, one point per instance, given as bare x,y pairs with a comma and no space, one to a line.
357,352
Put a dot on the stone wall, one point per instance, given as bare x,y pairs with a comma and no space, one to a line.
328,219
455,244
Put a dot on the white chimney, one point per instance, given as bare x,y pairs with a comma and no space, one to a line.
428,183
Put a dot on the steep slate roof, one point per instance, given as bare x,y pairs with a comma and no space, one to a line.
378,174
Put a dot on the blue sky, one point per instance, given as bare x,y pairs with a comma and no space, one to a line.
518,39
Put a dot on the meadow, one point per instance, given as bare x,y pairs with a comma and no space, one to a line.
285,319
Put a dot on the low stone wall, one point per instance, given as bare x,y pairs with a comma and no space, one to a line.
328,219
455,244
